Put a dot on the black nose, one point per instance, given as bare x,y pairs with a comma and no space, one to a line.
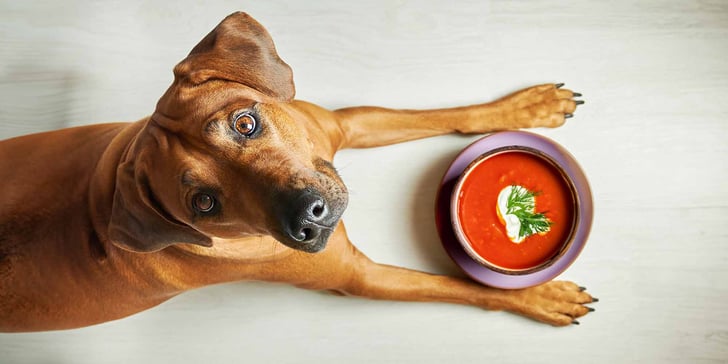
309,217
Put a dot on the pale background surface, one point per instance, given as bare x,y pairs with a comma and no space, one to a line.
651,137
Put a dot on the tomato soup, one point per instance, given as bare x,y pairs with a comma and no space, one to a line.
482,223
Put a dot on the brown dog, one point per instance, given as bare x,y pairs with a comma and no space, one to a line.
229,179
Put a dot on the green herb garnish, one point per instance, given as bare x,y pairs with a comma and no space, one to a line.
522,203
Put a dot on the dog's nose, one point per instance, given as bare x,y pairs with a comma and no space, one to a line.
309,217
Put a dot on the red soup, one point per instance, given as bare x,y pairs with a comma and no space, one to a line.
481,217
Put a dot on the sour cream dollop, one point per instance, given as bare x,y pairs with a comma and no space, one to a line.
512,223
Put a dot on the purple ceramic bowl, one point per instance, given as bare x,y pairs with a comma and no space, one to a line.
581,192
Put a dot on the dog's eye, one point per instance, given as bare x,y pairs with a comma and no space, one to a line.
203,202
245,124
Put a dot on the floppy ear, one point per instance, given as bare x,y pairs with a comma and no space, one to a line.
137,221
240,50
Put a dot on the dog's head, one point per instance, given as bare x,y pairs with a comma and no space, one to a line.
224,155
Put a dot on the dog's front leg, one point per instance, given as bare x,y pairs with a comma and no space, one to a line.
342,268
538,106
557,303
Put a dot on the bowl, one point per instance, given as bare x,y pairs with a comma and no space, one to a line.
514,210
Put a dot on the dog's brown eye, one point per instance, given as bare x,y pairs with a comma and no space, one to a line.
203,202
245,124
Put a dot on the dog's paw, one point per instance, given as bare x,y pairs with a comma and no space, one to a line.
557,303
546,105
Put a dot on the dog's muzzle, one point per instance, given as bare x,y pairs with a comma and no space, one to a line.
307,220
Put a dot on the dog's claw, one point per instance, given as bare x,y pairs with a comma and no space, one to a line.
574,322
591,309
579,102
582,289
594,299
566,116
577,94
560,85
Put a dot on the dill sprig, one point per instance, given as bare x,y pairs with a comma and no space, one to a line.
522,203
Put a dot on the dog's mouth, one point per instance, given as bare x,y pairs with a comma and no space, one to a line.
313,243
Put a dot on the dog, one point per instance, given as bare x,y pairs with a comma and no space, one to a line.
230,179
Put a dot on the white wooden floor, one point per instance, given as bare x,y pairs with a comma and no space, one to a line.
651,138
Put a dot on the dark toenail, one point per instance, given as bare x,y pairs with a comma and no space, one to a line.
566,116
559,85
579,102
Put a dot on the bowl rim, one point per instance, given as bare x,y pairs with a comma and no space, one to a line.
455,202
445,231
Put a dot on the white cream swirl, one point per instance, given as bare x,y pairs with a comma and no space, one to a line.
512,223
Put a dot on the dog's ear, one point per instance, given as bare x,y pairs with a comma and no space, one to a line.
240,50
138,223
